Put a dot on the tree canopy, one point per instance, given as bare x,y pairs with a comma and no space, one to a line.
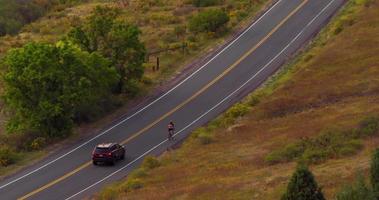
116,40
46,86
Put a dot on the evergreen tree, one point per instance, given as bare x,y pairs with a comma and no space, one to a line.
303,186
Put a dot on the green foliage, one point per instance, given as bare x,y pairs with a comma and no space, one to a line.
38,143
14,14
375,172
150,162
303,186
369,125
328,144
205,138
290,152
238,110
138,173
7,156
132,184
115,40
48,86
357,191
211,20
205,3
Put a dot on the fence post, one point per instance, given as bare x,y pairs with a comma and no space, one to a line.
157,63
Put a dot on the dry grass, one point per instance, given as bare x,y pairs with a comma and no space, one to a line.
334,84
157,20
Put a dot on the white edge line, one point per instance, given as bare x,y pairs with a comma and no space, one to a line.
196,120
147,106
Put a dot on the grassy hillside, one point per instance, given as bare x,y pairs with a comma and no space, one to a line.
163,25
326,100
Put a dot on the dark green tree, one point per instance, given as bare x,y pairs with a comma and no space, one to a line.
303,186
119,41
47,85
375,173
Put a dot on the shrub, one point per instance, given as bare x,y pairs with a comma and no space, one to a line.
375,172
369,126
205,3
108,193
358,191
290,152
328,144
7,156
204,138
38,143
238,110
208,21
303,186
314,155
151,162
132,184
138,173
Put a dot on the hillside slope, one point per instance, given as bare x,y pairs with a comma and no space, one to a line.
331,89
164,31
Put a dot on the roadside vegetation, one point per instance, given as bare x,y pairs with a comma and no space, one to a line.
319,111
15,14
76,61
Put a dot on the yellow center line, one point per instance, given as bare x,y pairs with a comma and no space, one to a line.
177,107
55,181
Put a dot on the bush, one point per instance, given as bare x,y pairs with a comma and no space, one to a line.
132,184
38,143
211,20
375,172
290,152
138,173
204,138
151,162
7,156
358,191
369,126
205,3
314,155
328,144
303,186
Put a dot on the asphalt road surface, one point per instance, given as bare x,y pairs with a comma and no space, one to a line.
226,78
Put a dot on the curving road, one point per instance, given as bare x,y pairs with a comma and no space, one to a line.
225,79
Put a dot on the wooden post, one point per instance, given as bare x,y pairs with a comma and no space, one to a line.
157,63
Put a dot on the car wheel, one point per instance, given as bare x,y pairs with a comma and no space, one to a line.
112,162
122,156
94,162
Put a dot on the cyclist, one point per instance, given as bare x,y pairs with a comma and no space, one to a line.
171,129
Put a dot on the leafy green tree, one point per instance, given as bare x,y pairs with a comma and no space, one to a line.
209,21
116,40
47,85
375,173
303,186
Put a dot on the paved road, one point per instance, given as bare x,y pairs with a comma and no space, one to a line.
236,70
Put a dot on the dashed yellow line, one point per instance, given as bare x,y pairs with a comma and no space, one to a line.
177,107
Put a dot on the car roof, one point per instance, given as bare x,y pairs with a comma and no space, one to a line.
105,145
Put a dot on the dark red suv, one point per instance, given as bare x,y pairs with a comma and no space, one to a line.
108,153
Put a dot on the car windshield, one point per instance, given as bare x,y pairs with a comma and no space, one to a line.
101,150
